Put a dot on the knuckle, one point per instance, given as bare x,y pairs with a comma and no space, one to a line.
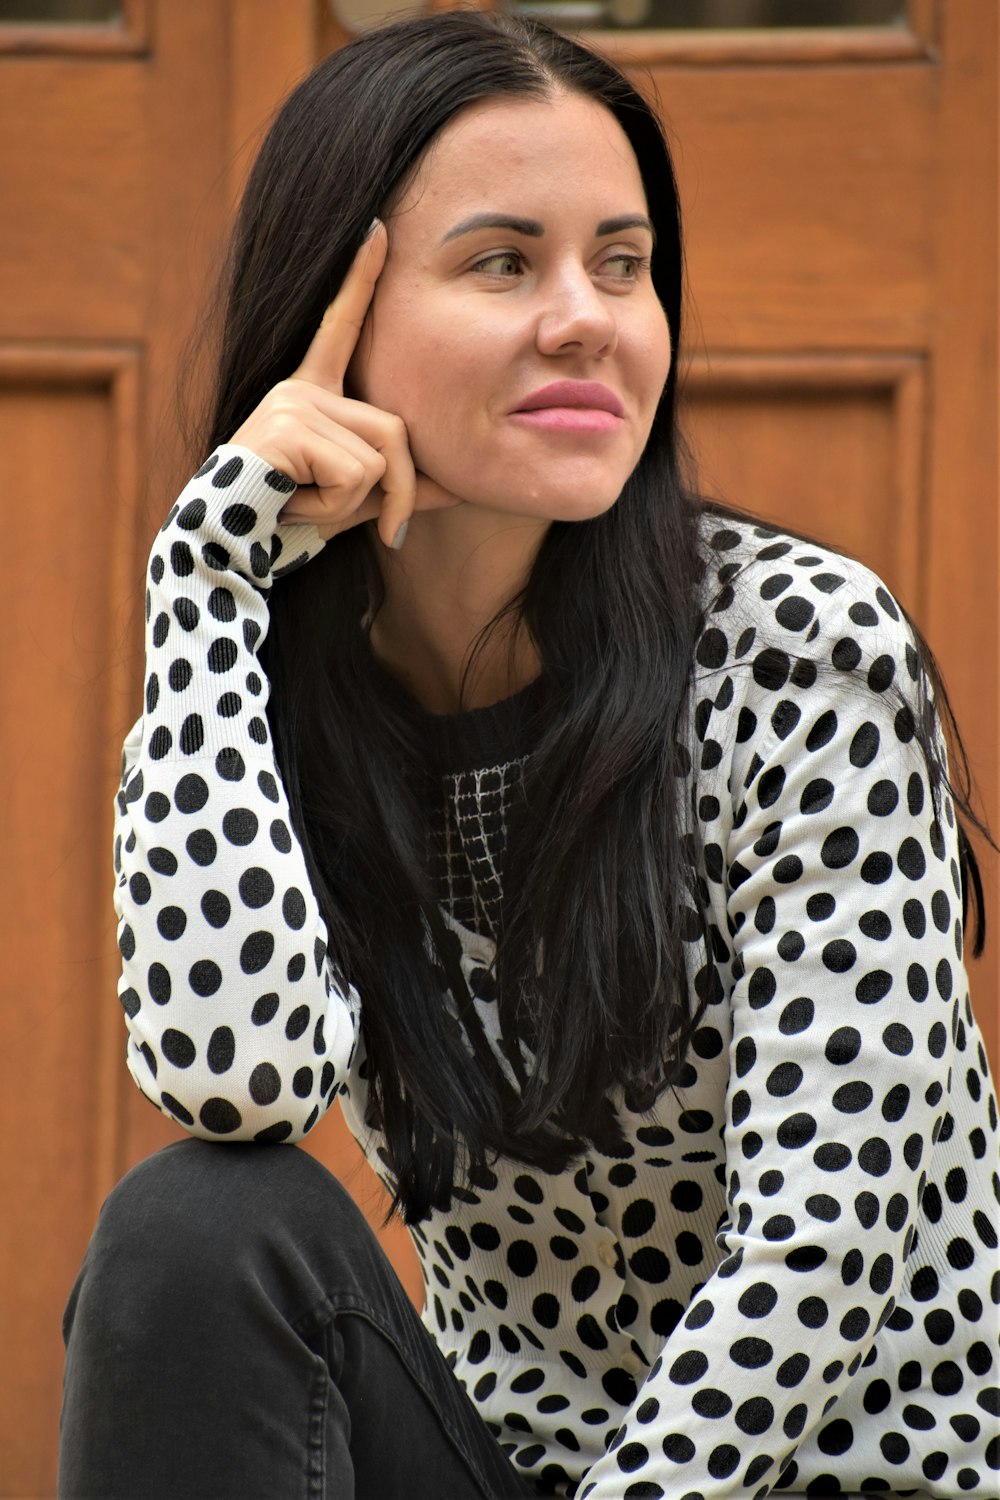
354,471
284,423
284,394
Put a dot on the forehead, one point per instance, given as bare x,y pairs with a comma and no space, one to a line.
514,150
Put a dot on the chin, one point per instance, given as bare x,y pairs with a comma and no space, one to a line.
568,501
575,509
575,503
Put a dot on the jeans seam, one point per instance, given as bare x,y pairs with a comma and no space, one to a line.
316,1445
321,1316
447,1427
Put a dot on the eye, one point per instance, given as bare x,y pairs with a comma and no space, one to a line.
627,267
503,264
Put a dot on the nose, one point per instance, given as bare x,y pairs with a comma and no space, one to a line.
576,317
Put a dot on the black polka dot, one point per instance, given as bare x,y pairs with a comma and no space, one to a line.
751,1353
256,887
722,1461
192,515
179,675
239,520
293,908
222,605
205,977
227,473
221,1050
265,1083
186,613
158,980
688,1367
222,655
678,1448
264,1010
191,793
256,951
230,765
754,1416
177,1047
278,481
156,807
840,848
171,922
846,654
215,908
240,826
522,1257
201,846
220,1116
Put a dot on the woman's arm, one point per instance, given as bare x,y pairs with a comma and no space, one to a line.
844,904
236,1027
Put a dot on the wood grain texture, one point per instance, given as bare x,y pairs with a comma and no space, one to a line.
63,664
807,197
830,445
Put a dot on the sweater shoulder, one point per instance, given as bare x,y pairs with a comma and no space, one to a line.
771,600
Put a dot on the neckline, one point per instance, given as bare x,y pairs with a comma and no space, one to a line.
473,738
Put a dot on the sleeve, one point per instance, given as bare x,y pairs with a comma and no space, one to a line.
237,1028
843,901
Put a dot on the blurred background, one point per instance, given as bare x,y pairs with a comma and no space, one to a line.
837,161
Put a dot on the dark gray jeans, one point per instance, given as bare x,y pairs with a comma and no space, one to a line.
237,1333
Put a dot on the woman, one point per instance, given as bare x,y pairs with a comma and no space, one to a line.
593,848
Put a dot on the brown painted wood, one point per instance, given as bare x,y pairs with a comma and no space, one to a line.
760,420
113,171
59,696
840,200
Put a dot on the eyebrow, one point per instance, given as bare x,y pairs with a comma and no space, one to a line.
535,230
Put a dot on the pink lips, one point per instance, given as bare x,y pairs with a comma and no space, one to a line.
572,406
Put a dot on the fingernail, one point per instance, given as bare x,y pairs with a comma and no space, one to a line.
375,224
400,536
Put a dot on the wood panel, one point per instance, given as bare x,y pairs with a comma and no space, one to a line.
63,662
830,445
98,197
115,206
807,204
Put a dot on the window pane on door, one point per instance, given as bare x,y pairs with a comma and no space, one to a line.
718,15
60,12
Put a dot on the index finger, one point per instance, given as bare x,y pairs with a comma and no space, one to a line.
336,338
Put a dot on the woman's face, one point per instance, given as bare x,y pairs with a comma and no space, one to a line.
518,260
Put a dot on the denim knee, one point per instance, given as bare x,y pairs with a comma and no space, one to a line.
198,1218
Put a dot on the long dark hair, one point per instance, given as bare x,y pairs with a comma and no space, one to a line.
599,878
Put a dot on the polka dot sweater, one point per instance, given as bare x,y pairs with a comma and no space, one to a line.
787,1278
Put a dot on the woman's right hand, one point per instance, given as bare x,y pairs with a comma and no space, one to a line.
350,460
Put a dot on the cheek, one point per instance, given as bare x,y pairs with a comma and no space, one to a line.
385,364
429,366
658,354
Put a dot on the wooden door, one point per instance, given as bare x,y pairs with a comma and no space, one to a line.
123,140
838,193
